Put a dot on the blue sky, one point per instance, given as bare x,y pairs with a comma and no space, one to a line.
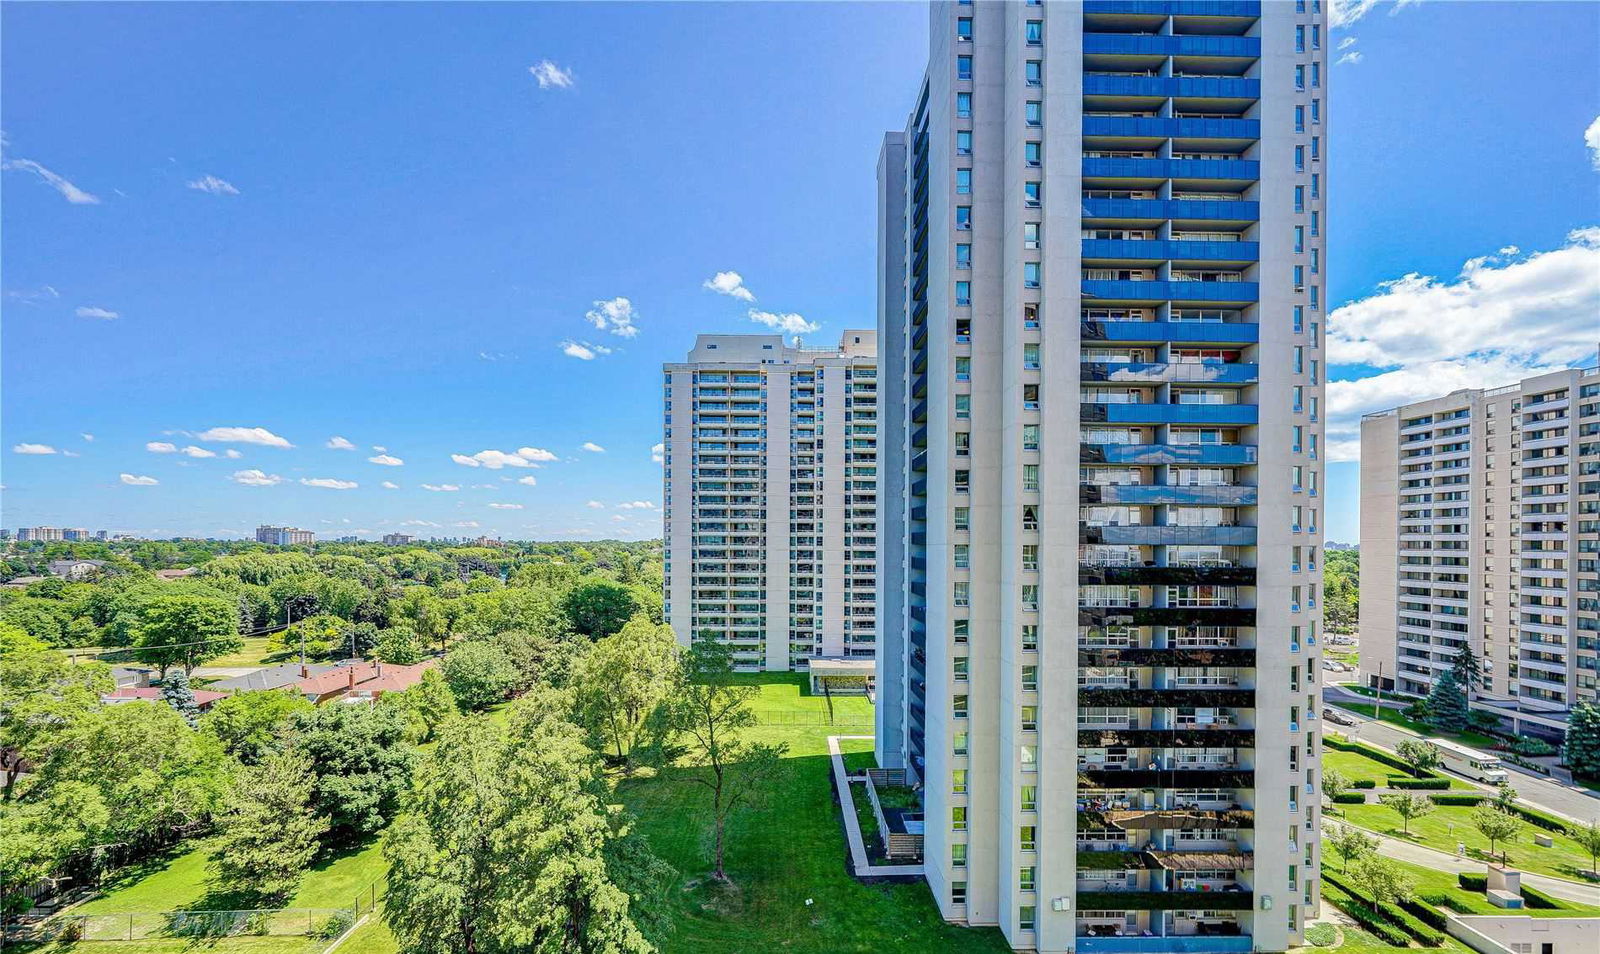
373,222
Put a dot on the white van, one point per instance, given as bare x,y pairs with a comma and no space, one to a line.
1469,762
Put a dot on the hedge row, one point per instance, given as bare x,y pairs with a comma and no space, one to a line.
1538,899
1472,882
1350,798
1364,783
1362,914
1377,755
1434,784
1401,917
1458,799
1540,819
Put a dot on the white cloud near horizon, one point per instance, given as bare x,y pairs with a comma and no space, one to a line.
442,488
637,505
94,311
68,191
213,186
730,284
505,506
658,453
551,76
788,323
329,483
199,452
496,459
33,449
161,447
1520,314
243,435
529,481
390,485
1591,138
139,480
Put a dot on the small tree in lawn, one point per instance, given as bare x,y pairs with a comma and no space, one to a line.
1379,880
1350,843
1505,797
1409,806
177,693
1581,748
1589,840
269,834
1447,703
1423,757
1334,784
713,712
1496,825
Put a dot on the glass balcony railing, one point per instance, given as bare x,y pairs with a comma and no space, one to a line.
1167,8
1174,332
1237,293
1237,415
1154,250
1171,372
1127,44
1167,87
1159,454
1178,210
1170,127
1231,170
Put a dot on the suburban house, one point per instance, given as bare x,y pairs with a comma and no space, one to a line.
175,574
281,676
75,569
203,698
362,681
132,677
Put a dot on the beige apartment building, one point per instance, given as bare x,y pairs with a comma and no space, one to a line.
770,459
1480,527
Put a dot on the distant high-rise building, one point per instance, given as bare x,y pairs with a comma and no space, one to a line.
1480,528
1101,298
284,536
397,539
26,534
76,535
771,480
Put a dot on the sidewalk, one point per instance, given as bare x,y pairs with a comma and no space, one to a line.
852,825
1443,861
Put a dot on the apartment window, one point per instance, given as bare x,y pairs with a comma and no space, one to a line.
964,212
1030,477
963,444
958,705
1030,235
1029,756
1031,193
1027,836
963,481
1033,113
958,889
1316,75
1299,158
1030,274
1035,32
958,669
1028,797
1299,243
964,29
1030,316
1316,260
964,292
1030,397
958,818
1032,154
963,369
1316,185
1316,36
1299,279
1030,601
958,781
964,67
960,628
1316,148
963,407
1030,718
1299,77
1030,434
963,105
958,858
1299,206
1027,878
963,520
963,182
964,142
1316,220
1025,917
964,255
962,554
1033,73
1299,39
1030,556
1030,674
1299,119
1030,636
1030,352
958,743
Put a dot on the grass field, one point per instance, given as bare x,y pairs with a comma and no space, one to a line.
231,945
1448,824
1356,766
1475,740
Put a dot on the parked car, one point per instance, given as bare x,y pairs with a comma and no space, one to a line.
1337,717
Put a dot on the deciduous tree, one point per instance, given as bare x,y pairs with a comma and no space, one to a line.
250,724
1350,843
623,679
1409,806
186,629
479,674
361,758
1496,825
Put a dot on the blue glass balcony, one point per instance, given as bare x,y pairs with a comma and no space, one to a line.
1147,494
1191,332
1157,127
1126,44
1228,170
1151,455
1233,415
1238,293
1176,372
1196,87
1144,536
1168,8
1192,944
1158,250
1155,210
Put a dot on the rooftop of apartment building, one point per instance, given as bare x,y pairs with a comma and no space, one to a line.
770,349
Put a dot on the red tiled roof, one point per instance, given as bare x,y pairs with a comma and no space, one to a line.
202,697
365,677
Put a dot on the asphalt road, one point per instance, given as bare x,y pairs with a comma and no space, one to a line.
1575,803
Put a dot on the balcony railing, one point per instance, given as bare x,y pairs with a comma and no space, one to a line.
1132,44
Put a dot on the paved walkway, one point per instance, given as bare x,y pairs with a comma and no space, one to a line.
1443,861
852,825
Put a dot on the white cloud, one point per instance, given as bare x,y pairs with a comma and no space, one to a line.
730,284
1347,42
496,459
466,523
33,449
583,350
658,453
551,76
255,478
213,185
637,505
538,454
1353,57
70,453
390,485
1591,138
193,451
1538,310
243,435
615,315
32,296
385,460
87,437
329,483
595,505
161,447
232,454
618,516
419,523
92,311
528,481
442,488
593,448
339,443
505,506
788,323
136,480
68,191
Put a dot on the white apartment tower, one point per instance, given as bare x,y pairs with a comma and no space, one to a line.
771,471
1101,301
1480,527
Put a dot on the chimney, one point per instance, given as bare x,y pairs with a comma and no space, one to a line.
379,667
305,672
352,677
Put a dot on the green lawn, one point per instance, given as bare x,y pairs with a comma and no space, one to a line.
371,938
1448,824
1475,740
1356,766
183,882
230,945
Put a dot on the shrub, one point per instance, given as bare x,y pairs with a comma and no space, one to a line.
1364,783
1472,882
1362,914
1425,912
1398,916
1458,799
337,924
1433,784
1322,934
1538,899
1540,819
1443,899
1350,798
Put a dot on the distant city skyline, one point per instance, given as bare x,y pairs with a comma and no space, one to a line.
435,298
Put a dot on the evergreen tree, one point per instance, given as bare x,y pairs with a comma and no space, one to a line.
177,693
1447,703
270,833
1581,749
1466,668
